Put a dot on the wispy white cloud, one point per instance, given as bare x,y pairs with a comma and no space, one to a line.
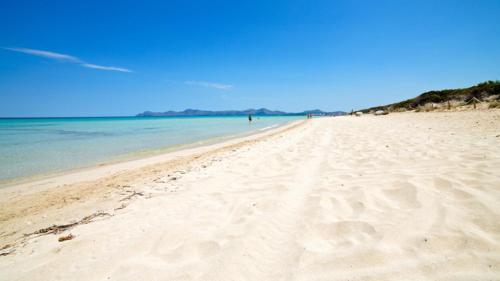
46,54
218,86
67,58
110,68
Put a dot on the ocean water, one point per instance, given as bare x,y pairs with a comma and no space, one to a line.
38,146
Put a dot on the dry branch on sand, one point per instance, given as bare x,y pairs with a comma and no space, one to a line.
55,229
134,193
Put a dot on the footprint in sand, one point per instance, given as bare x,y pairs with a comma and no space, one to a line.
208,248
403,195
448,186
242,213
172,254
441,183
357,208
344,233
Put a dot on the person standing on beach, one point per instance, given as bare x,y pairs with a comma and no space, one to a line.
250,118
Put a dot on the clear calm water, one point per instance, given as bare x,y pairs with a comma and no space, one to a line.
34,146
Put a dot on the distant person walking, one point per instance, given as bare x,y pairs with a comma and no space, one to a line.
250,118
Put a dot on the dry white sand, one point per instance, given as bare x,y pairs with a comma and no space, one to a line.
412,196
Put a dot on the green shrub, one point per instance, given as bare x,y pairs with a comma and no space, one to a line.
479,91
494,104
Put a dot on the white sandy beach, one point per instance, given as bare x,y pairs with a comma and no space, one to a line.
411,196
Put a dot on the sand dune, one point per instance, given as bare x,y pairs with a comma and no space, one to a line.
412,196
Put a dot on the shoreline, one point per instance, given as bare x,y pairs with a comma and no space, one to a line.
87,184
132,156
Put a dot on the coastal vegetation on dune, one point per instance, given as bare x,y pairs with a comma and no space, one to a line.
488,91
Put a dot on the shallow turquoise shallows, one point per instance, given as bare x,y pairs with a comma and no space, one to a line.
37,146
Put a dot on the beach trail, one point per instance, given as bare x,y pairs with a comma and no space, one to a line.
413,196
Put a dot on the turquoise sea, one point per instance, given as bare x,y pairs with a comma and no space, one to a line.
39,146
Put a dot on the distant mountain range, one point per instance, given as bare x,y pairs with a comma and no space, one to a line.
255,112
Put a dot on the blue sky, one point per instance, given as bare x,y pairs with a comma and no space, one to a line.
99,58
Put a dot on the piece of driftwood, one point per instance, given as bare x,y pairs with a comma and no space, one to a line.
134,193
65,238
6,250
55,229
